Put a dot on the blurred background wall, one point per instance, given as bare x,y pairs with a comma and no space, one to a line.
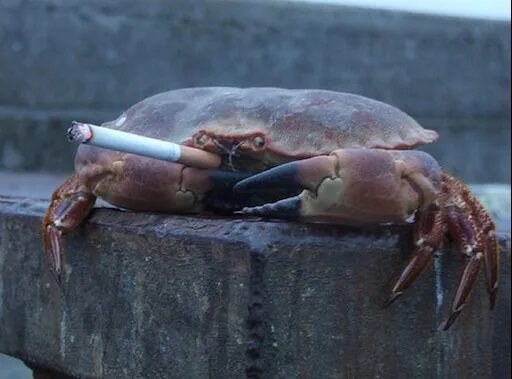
90,59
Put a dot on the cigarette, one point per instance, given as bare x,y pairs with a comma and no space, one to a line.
149,147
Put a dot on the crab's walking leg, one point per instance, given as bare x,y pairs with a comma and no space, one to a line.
491,263
474,231
461,216
466,285
70,204
429,230
486,236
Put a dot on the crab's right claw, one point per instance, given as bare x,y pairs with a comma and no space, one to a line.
292,177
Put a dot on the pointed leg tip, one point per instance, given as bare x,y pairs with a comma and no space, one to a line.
449,322
56,270
57,275
444,326
392,299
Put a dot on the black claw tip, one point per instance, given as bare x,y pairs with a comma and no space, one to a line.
392,299
280,177
224,180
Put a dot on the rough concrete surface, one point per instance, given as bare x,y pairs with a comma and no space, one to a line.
148,295
91,59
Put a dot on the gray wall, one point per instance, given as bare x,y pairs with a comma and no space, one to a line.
90,59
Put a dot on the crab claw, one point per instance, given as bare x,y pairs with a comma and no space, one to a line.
357,186
292,177
223,180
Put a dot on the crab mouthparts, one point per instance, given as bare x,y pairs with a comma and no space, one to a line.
229,150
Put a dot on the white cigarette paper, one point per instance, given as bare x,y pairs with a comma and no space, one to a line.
135,144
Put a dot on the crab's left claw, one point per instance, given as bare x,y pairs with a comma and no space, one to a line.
350,185
292,177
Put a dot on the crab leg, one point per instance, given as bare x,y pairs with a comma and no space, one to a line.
428,236
472,228
70,204
486,235
466,285
491,263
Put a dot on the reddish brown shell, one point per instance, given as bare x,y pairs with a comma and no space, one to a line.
295,122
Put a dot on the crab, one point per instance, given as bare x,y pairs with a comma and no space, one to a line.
314,155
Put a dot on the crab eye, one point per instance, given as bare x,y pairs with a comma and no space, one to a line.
201,139
258,142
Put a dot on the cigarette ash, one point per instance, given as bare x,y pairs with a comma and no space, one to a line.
79,132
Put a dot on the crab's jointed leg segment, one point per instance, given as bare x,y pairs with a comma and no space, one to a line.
70,204
486,236
491,264
474,231
459,214
429,230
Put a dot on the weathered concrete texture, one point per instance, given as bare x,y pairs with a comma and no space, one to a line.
82,58
159,296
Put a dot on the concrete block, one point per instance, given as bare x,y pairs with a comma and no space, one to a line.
149,295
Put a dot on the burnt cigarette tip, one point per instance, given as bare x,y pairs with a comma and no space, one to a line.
79,132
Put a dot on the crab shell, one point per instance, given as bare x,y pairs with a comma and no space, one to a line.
294,123
267,126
